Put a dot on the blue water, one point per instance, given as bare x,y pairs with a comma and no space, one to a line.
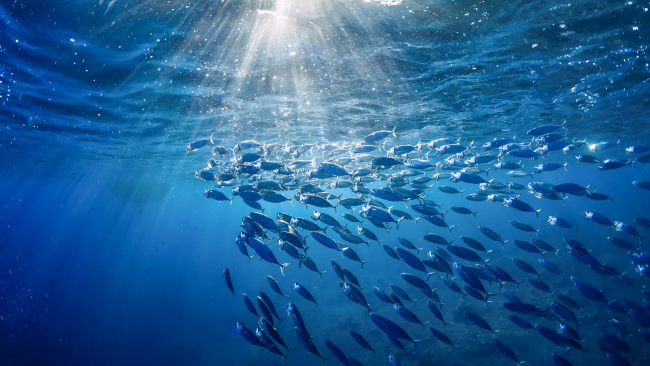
110,254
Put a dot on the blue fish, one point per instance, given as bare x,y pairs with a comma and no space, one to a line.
441,337
249,335
480,322
409,316
265,253
588,290
338,354
361,341
304,293
326,240
392,329
521,322
226,275
412,260
507,351
309,345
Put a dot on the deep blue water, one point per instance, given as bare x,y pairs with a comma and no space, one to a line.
110,254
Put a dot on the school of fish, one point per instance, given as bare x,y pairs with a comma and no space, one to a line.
414,174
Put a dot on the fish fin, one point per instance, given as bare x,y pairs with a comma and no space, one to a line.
461,192
442,214
424,326
416,220
474,213
576,228
538,211
393,132
451,227
362,263
212,142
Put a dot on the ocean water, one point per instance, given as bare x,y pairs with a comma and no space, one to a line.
111,255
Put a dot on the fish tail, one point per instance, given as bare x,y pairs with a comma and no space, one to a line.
461,192
424,326
442,214
320,274
362,263
284,265
451,227
416,220
393,132
212,142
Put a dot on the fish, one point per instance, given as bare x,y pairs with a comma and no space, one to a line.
544,130
379,135
361,341
558,221
309,345
391,329
409,316
266,313
521,322
391,252
528,247
523,227
598,218
249,335
411,260
350,217
304,293
275,287
551,267
401,293
525,267
351,278
326,241
407,244
480,322
337,353
520,205
437,221
367,233
194,145
450,190
463,210
491,234
338,270
272,332
474,244
441,337
507,351
310,264
265,253
382,295
226,276
588,290
501,274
